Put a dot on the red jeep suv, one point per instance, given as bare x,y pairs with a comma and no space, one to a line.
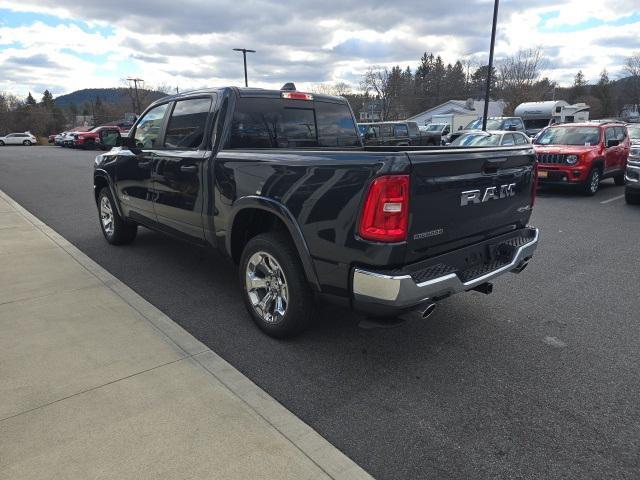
582,154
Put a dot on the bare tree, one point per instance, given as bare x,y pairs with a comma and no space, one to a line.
632,67
339,89
518,74
377,80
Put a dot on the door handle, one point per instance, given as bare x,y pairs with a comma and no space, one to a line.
188,168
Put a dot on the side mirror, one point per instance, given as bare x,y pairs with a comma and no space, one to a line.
613,143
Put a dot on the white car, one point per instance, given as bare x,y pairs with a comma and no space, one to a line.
25,139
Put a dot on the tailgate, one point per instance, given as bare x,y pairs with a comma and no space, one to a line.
462,196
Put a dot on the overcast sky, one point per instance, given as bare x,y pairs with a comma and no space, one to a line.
66,45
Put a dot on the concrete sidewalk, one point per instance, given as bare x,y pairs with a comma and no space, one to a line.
95,382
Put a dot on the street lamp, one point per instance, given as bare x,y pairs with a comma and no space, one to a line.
244,55
490,70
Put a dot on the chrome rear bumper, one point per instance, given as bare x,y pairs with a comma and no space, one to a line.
403,292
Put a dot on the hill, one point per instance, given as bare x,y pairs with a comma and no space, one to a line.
107,95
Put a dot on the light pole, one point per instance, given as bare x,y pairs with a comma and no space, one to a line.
244,56
490,69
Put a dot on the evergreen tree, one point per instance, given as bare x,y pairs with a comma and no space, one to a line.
455,82
604,94
479,81
578,90
30,100
47,100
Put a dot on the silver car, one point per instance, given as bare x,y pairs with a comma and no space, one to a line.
491,138
26,139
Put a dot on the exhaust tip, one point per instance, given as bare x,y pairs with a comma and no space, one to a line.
429,310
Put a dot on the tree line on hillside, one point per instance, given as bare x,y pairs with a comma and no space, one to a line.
46,116
395,92
399,93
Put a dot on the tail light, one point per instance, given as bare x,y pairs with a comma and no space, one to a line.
534,191
385,214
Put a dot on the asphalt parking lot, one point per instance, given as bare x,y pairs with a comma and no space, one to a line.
541,379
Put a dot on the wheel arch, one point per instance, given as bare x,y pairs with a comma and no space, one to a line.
599,164
254,215
101,179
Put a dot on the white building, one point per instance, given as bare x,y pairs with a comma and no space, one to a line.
460,107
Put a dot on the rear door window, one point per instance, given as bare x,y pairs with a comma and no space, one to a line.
187,123
335,125
401,131
274,123
620,134
387,130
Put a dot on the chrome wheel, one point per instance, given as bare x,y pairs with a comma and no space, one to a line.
106,216
266,286
595,181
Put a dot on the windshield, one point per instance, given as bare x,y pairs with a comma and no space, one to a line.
475,140
435,127
569,136
634,133
477,124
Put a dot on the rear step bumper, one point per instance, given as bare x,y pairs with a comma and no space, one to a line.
386,293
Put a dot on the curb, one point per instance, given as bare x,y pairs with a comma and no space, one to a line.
309,442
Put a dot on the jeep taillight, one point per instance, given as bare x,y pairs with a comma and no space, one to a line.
385,215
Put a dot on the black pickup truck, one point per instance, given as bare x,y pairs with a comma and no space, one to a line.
279,181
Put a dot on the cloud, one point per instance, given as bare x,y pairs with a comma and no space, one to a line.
189,44
39,60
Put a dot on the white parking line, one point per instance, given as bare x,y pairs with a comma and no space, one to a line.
613,199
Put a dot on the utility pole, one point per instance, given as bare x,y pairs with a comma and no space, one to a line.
136,103
490,69
244,56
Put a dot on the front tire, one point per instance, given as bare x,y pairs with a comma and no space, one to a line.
274,287
114,228
1,143
632,198
591,186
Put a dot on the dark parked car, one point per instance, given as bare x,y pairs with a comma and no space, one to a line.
400,134
513,124
280,183
433,133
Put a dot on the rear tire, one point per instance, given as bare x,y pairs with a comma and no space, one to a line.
591,186
632,198
619,179
115,229
274,287
27,143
